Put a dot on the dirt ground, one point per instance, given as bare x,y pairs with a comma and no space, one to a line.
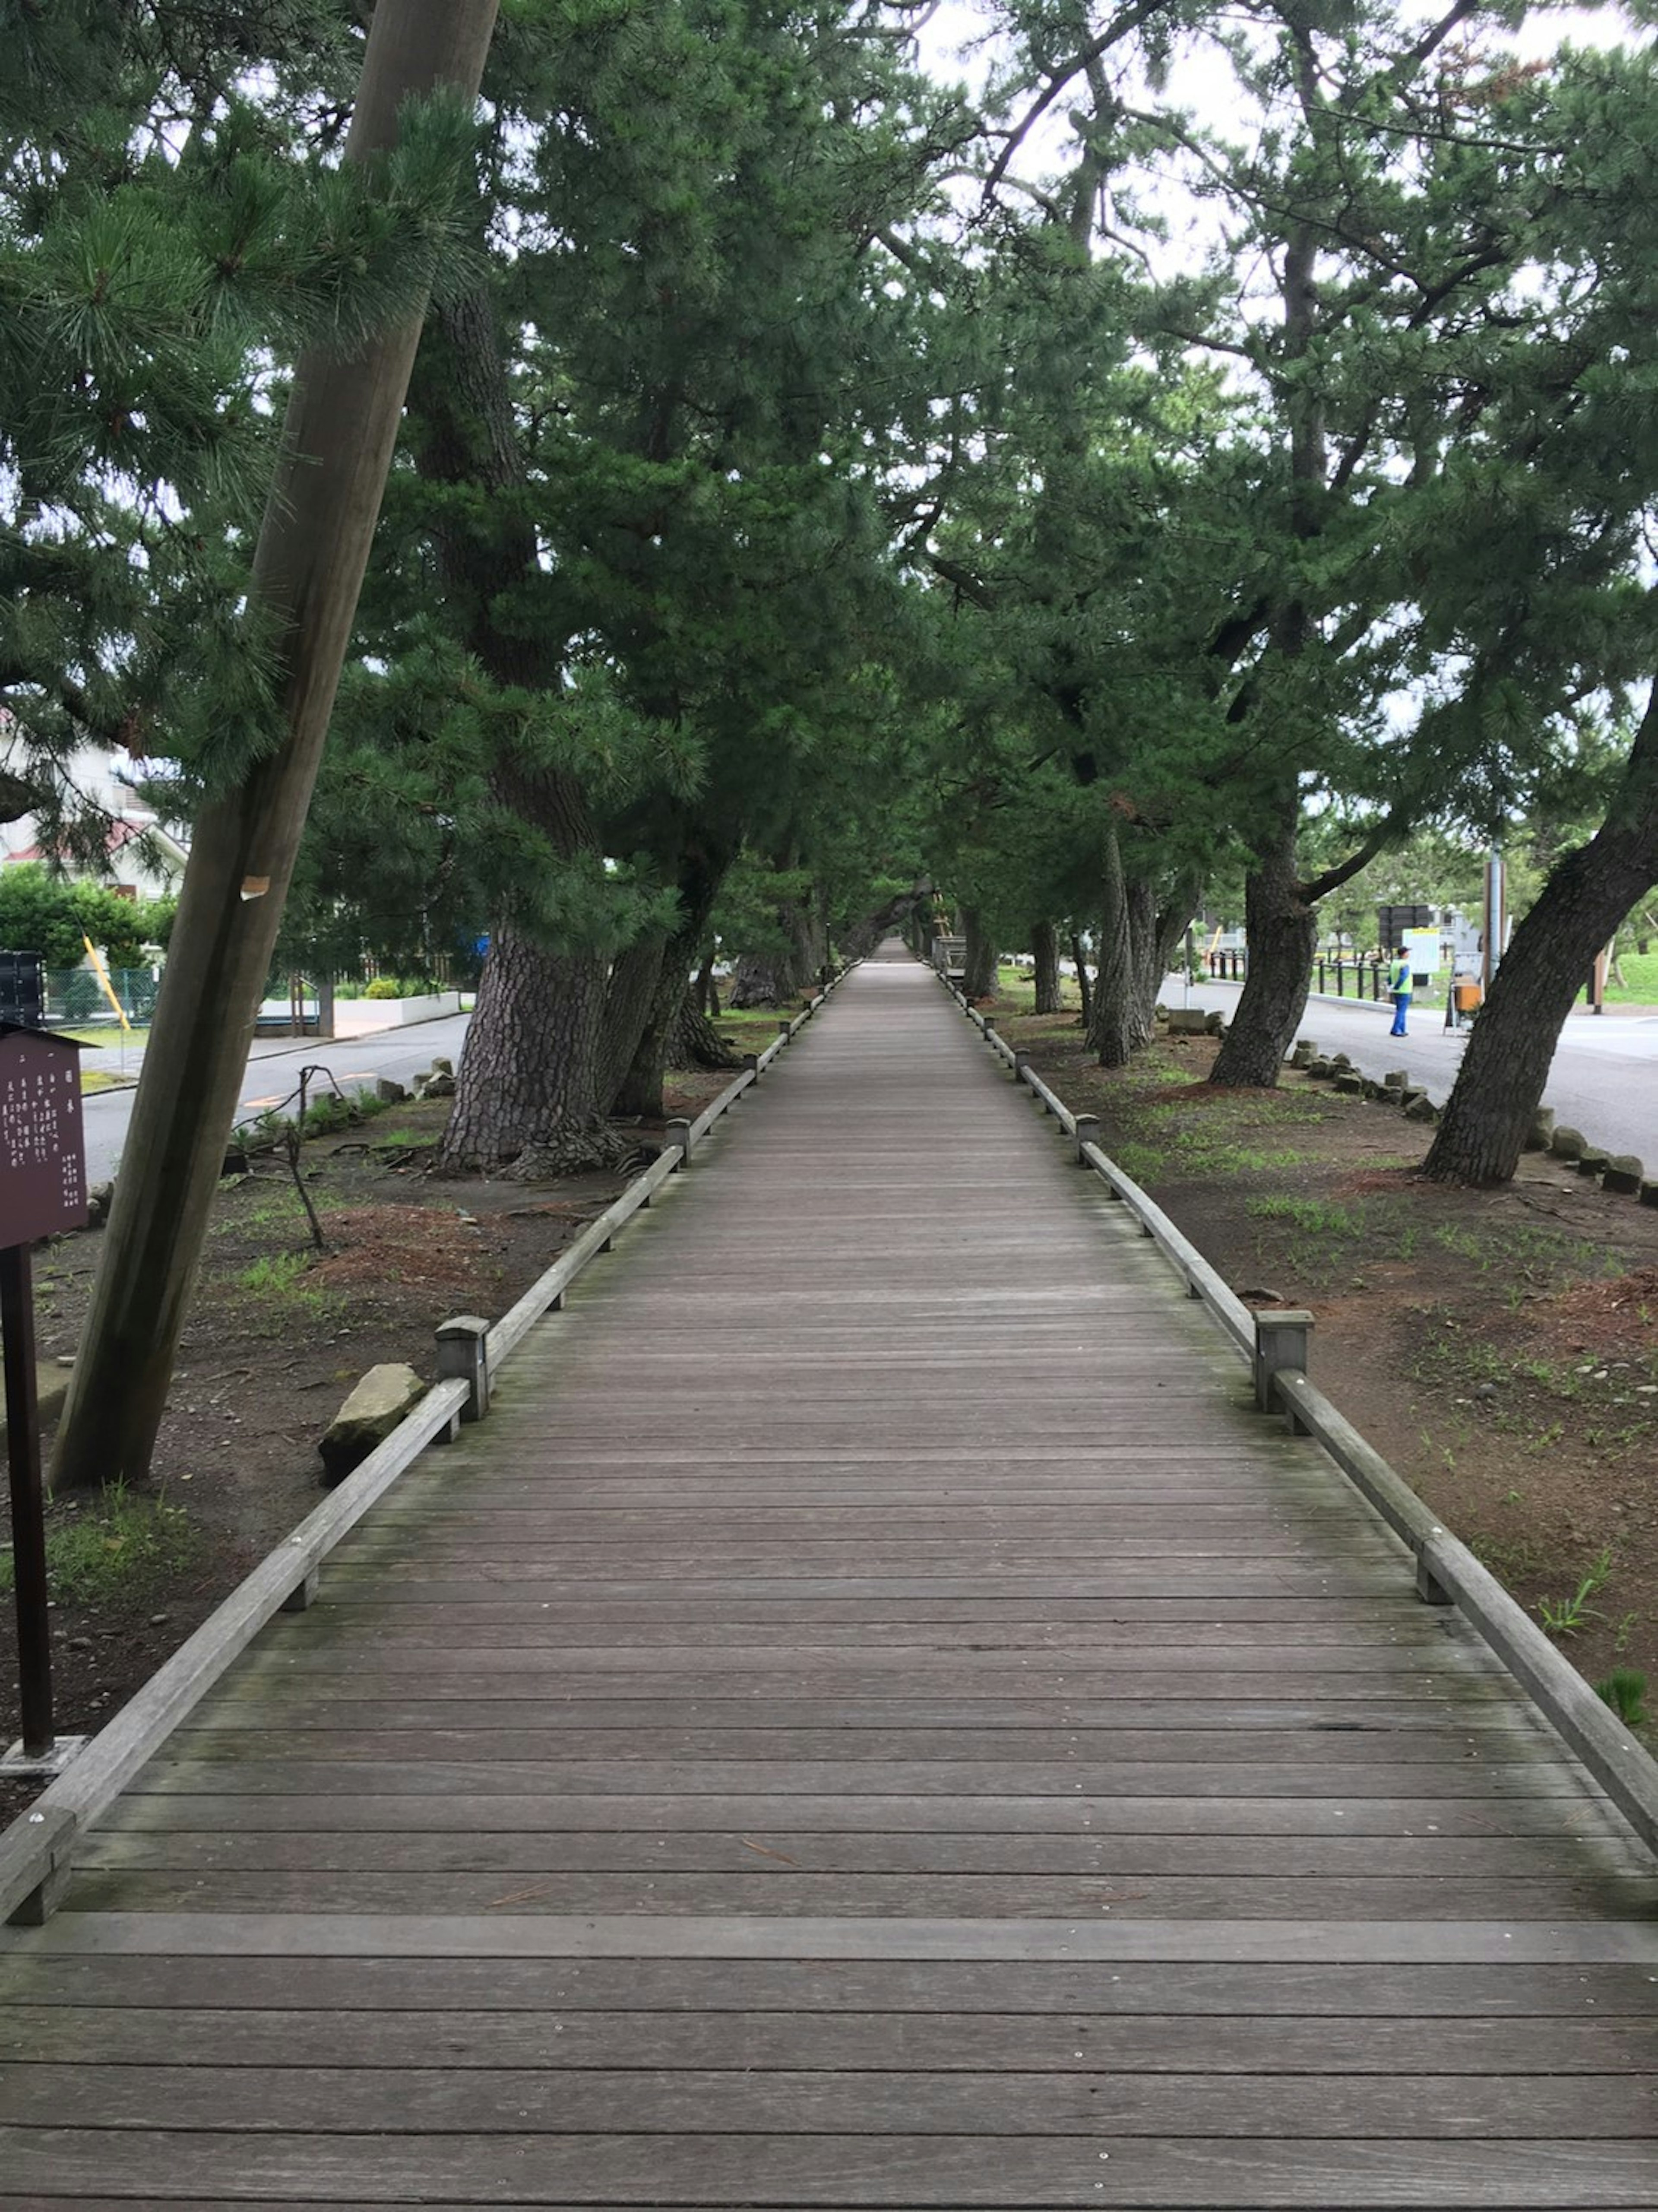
277,1336
1500,1348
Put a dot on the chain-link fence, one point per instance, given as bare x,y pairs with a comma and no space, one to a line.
81,999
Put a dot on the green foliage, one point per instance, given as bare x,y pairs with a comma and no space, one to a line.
51,914
119,1549
1626,1691
1565,1616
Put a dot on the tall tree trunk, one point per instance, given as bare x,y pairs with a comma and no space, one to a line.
1085,980
1509,1054
527,1091
313,545
1114,1030
1045,946
979,961
636,982
1281,926
640,1090
524,1094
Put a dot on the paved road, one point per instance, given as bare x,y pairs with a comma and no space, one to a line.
1604,1080
273,1071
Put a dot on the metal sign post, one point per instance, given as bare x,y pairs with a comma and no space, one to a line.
43,1190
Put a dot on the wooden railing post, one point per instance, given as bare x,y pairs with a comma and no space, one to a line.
1280,1349
463,1357
679,1131
1088,1133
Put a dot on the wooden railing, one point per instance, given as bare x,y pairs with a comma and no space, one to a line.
36,1850
1447,1572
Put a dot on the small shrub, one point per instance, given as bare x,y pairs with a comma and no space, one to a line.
384,986
1626,1691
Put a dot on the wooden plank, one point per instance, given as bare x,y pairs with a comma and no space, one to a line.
193,1800
906,1991
759,1890
207,1846
397,1771
700,2101
633,1936
825,2171
1048,2041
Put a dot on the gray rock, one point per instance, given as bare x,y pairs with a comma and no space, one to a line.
368,1416
1421,1108
1351,1083
1320,1071
51,1381
390,1093
1623,1174
1188,1021
1649,1194
1542,1130
1304,1052
440,1085
1566,1144
100,1199
1397,1079
441,1067
1339,1059
1215,1024
1591,1160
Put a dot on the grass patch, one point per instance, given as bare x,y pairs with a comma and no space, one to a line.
1313,1216
100,1078
117,1550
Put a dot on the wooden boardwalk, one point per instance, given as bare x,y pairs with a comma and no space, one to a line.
872,1719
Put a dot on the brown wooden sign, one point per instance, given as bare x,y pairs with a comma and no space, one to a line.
42,1163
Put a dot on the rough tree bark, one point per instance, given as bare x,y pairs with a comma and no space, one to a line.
1115,1028
313,545
1281,926
1085,980
1506,1062
979,961
1045,947
694,1042
637,981
524,1092
669,1012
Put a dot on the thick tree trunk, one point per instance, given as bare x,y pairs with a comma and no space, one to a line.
525,1089
979,961
313,545
1282,930
694,1042
1085,980
1115,1028
636,982
640,1090
762,979
1509,1054
1045,946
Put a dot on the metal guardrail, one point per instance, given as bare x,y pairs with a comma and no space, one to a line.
36,1850
1446,1571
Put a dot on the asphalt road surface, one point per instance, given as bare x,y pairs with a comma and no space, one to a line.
273,1073
1604,1080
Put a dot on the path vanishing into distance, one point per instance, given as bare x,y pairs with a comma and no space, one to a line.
873,1718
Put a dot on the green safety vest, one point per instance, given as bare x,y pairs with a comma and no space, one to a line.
1398,974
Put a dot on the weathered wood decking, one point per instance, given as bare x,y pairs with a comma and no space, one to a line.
872,1719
